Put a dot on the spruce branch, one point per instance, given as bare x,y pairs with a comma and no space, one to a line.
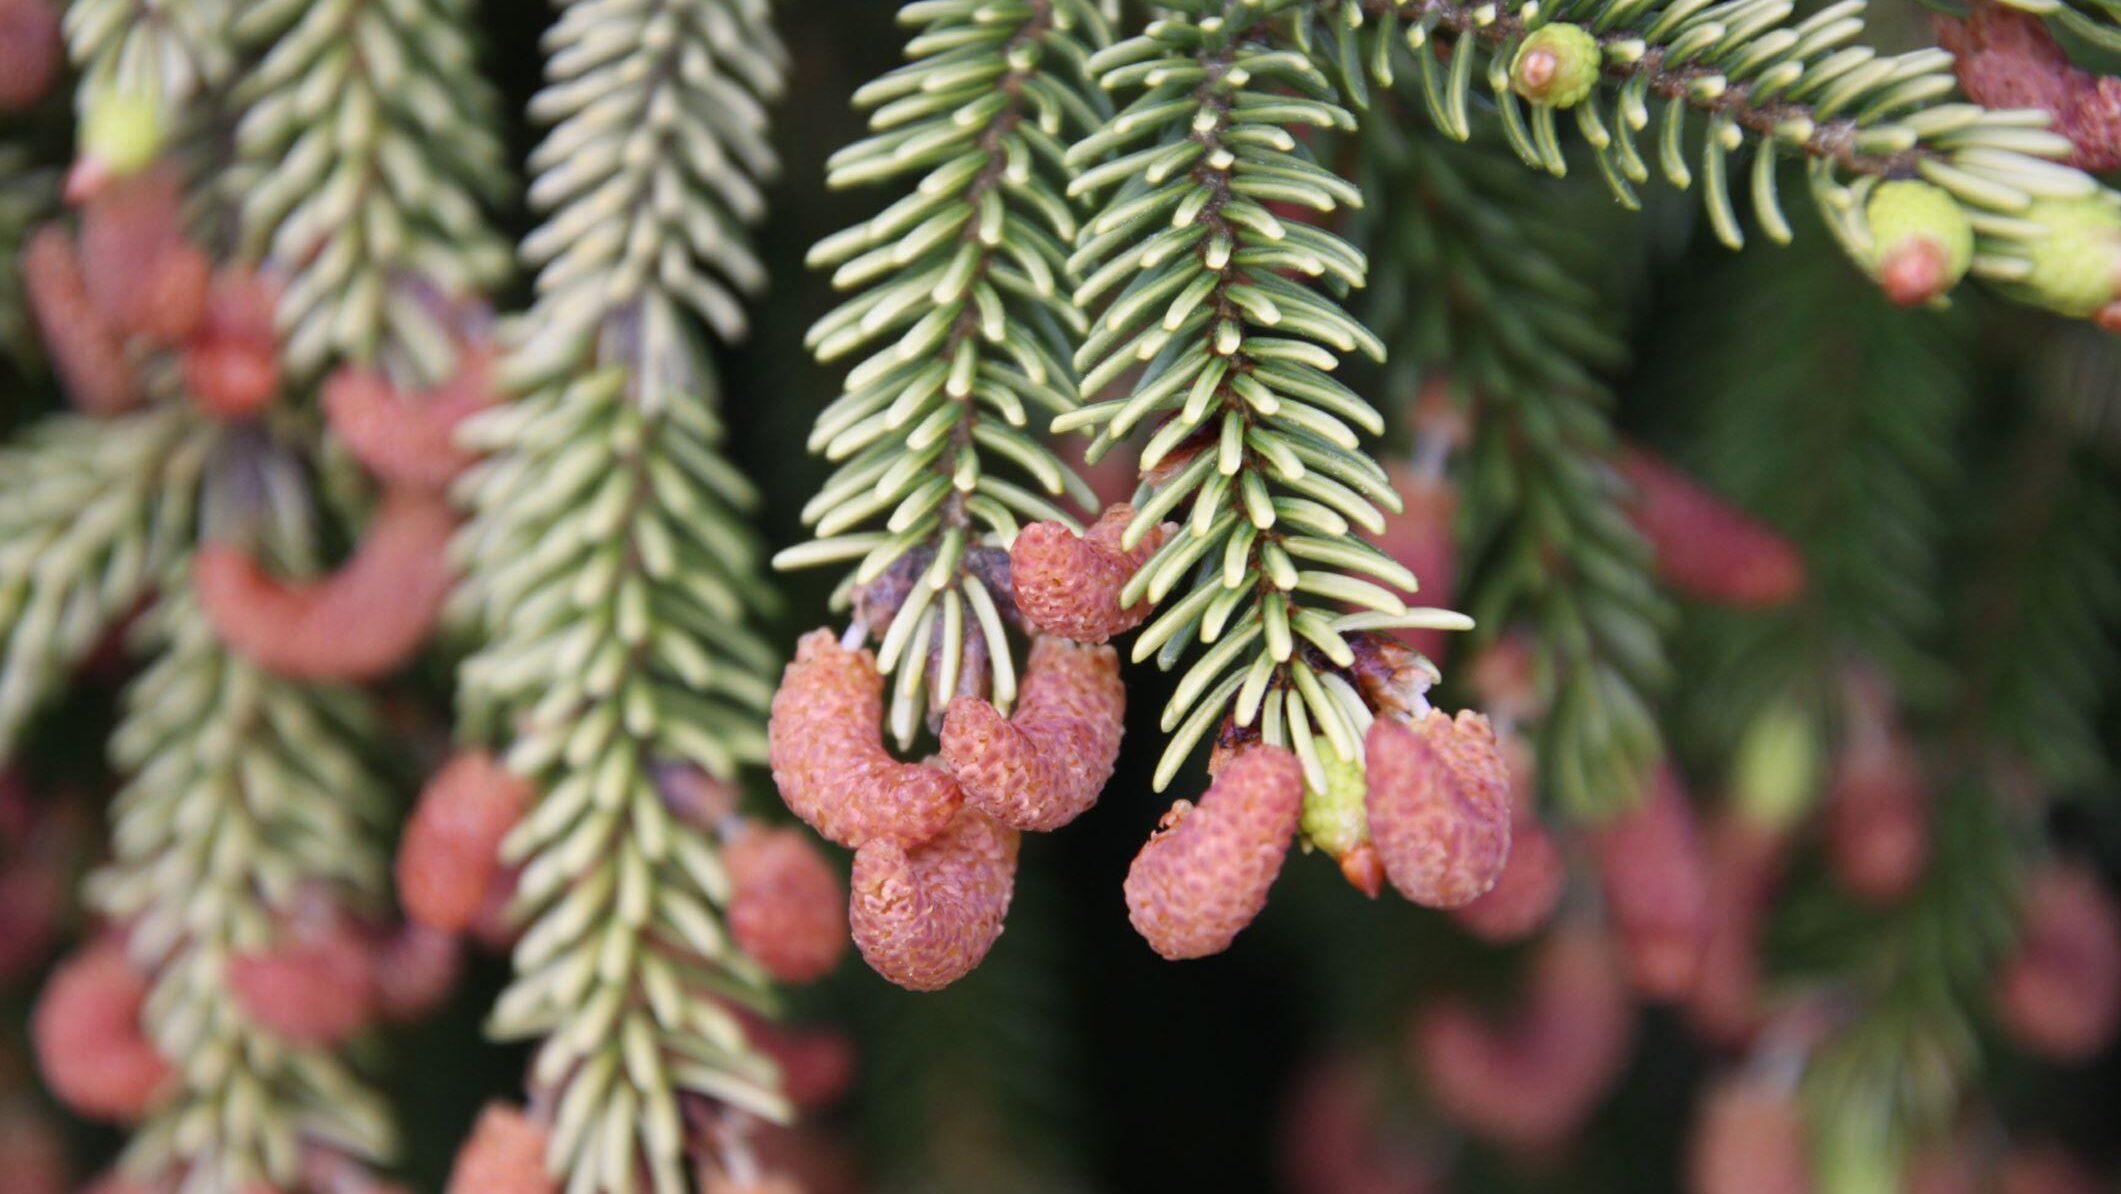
971,333
249,795
1257,448
1797,89
157,53
92,514
366,149
1848,449
1472,294
610,570
1915,981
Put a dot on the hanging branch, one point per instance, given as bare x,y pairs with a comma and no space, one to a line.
367,147
1256,451
610,570
1472,296
250,796
164,51
1918,190
1848,449
92,514
964,308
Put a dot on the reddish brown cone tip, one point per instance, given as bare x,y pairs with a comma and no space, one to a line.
1914,273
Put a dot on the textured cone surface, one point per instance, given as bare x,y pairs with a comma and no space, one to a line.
1046,764
924,917
1556,65
1069,585
1204,876
1439,806
829,761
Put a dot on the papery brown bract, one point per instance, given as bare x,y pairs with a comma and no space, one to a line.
1653,871
1705,547
1439,804
315,988
924,916
1532,1079
407,439
505,1155
2005,58
85,350
1046,764
1205,873
787,909
826,747
1069,585
1421,537
91,1046
31,52
2059,996
1749,1137
448,857
1392,677
364,619
1745,860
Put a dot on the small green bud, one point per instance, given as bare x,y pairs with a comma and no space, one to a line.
1334,819
1921,240
1775,767
1557,65
2077,263
122,131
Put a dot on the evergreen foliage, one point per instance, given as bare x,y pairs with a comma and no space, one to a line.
964,311
611,578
